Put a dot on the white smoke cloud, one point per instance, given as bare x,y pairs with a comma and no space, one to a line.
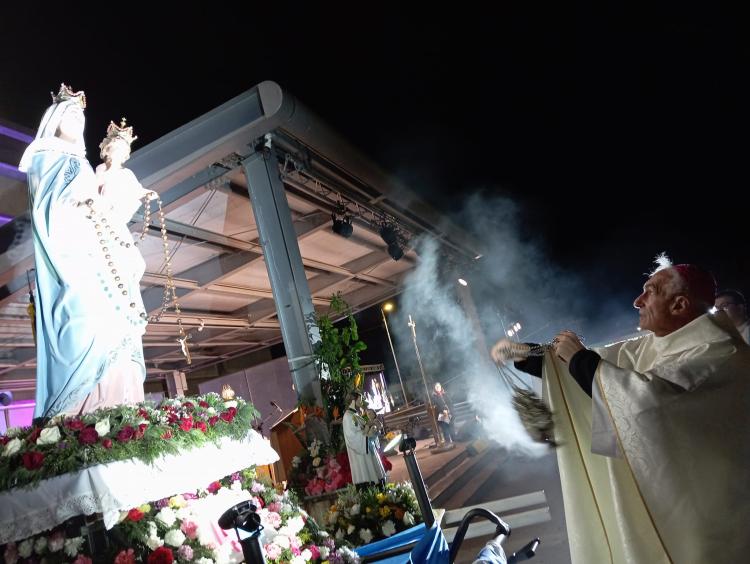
513,282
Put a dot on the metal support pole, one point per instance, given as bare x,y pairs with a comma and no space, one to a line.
393,352
286,272
428,397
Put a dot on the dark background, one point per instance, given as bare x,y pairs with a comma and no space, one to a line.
620,130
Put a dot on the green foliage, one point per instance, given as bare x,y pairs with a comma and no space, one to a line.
337,356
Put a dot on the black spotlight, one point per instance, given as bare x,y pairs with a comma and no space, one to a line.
342,226
243,517
395,251
6,397
390,237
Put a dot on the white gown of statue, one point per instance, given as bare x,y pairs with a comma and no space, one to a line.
364,458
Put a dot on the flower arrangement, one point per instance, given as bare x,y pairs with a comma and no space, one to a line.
183,528
320,470
143,431
364,516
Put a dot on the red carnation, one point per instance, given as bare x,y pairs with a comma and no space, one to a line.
387,466
167,434
4,440
88,436
107,443
32,460
204,404
214,487
172,417
212,420
229,414
125,434
161,555
75,424
135,514
186,424
188,405
201,425
34,435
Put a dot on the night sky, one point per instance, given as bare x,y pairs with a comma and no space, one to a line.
620,131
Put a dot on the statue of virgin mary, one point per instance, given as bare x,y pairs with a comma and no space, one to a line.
90,316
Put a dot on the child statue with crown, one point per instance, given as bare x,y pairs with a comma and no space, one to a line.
118,185
90,316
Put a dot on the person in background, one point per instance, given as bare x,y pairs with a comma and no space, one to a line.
734,304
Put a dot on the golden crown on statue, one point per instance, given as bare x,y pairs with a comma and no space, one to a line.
123,131
66,93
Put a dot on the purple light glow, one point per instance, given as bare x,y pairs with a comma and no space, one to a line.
13,134
5,219
11,171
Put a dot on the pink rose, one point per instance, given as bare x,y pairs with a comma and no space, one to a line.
315,551
274,506
273,519
125,557
190,528
273,551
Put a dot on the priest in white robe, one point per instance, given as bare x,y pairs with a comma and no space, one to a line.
655,469
362,445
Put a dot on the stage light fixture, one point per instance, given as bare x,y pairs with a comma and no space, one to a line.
389,235
342,226
6,397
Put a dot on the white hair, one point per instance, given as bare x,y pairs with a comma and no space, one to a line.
662,262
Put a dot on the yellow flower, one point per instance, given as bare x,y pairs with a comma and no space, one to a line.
368,510
381,497
177,501
385,511
145,508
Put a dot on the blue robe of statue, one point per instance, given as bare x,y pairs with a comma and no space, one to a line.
84,323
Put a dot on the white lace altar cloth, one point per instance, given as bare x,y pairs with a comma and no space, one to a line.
119,486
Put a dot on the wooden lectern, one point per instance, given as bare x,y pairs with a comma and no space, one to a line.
286,443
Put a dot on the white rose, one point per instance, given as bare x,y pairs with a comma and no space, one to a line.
282,541
166,516
389,528
49,436
26,547
408,519
232,403
339,534
295,524
40,545
324,552
204,561
297,560
211,411
13,446
102,427
365,535
154,542
306,555
316,461
152,530
350,529
354,510
296,460
183,513
174,537
73,545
